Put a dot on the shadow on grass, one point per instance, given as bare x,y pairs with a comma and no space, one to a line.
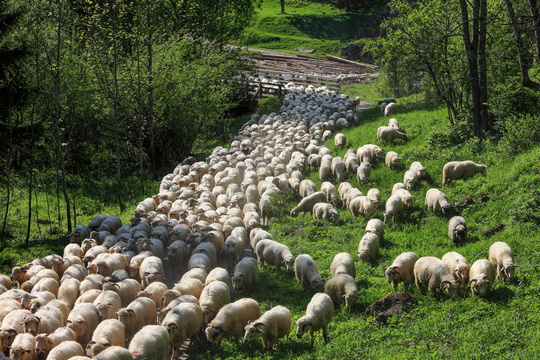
337,27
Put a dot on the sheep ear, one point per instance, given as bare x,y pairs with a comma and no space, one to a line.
397,268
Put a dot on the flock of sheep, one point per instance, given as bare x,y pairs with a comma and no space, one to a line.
106,296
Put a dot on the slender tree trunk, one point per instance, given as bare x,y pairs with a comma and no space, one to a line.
482,66
535,13
3,235
282,3
150,92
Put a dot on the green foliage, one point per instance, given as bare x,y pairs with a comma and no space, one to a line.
269,105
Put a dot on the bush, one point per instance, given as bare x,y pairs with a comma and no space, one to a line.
520,133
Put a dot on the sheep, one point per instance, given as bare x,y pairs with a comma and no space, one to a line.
306,273
231,320
390,109
342,288
458,170
83,320
325,170
23,347
28,300
153,245
96,221
338,169
110,224
183,322
343,263
200,260
326,211
457,230
107,303
340,140
245,274
216,274
154,291
437,202
376,152
214,296
15,320
110,332
457,264
351,161
363,173
394,205
409,179
150,342
387,133
217,238
136,261
306,204
176,255
433,273
92,281
66,350
392,160
368,247
46,342
500,255
151,270
127,289
418,169
77,235
7,306
73,250
45,320
482,276
139,313
401,270
270,327
319,313
362,205
274,253
195,273
88,296
233,250
7,336
392,122
113,353
46,284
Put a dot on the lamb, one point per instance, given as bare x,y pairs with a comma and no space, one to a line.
340,140
270,327
457,264
214,296
343,263
326,211
319,313
342,288
77,235
393,207
500,255
457,230
307,203
110,332
437,202
387,133
231,320
392,160
83,320
401,270
233,250
151,342
151,270
66,350
107,303
306,273
362,205
409,179
183,322
457,170
418,169
482,276
274,253
23,347
139,313
368,247
363,172
245,274
46,342
433,273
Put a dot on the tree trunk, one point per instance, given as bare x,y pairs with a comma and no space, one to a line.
282,3
535,13
150,93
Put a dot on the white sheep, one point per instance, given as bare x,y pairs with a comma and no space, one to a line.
306,204
110,332
375,226
363,172
128,290
376,152
340,140
113,353
274,253
46,342
201,261
190,286
154,291
457,230
368,247
73,250
457,264
153,245
437,202
245,274
482,275
107,303
418,169
214,296
150,342
362,205
196,273
319,313
220,274
500,255
392,160
401,270
83,320
306,273
343,263
234,248
325,170
406,198
151,270
23,347
387,133
217,238
270,327
92,281
231,320
351,161
136,261
433,274
390,109
139,313
392,122
338,169
458,170
409,179
66,350
342,289
394,205
326,211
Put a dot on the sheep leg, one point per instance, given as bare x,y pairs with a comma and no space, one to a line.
311,337
325,333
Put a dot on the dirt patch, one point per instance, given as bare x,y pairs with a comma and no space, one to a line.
395,303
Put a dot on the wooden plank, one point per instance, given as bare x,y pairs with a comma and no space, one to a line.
350,62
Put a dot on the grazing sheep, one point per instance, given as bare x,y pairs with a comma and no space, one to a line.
457,264
351,161
387,133
231,320
406,198
362,205
326,211
306,188
139,313
245,274
457,230
338,169
368,247
392,122
151,342
437,202
306,204
110,332
457,170
417,169
23,347
409,179
340,140
376,152
500,255
433,274
375,226
342,288
482,276
274,253
214,296
307,274
343,263
363,173
325,170
390,109
401,270
393,207
270,327
319,313
392,160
